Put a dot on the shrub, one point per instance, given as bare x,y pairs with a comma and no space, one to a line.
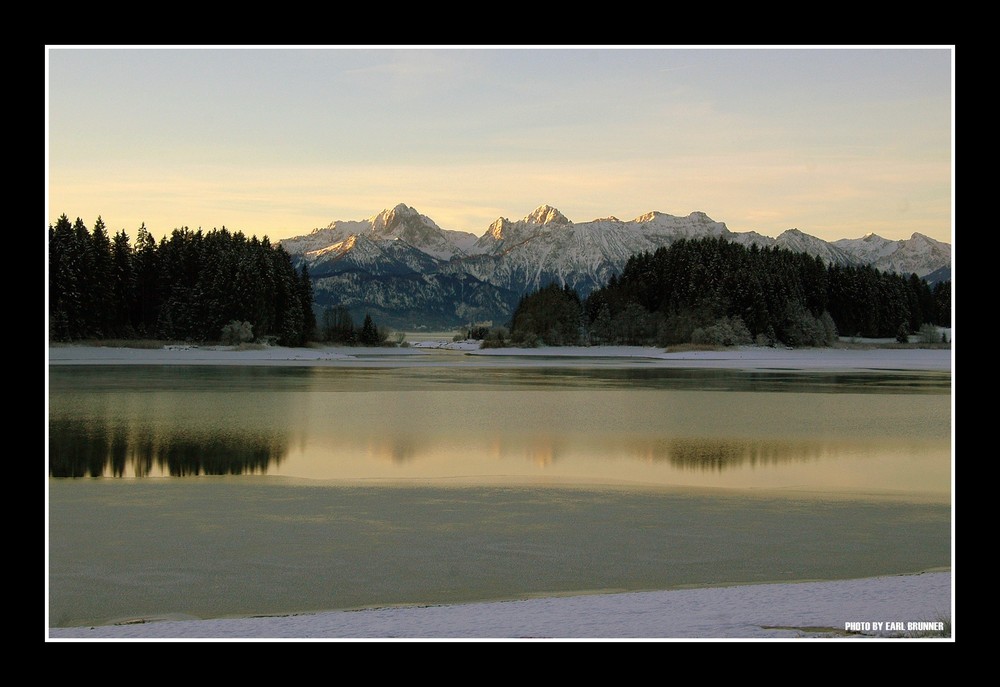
525,339
801,328
929,334
903,333
237,332
767,338
830,334
726,331
678,327
495,338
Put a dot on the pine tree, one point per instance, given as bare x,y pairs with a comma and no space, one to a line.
102,282
122,285
148,293
263,313
287,301
369,332
306,297
942,302
64,289
83,257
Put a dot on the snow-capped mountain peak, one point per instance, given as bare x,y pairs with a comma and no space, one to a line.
648,217
400,219
405,223
546,214
503,234
919,238
496,230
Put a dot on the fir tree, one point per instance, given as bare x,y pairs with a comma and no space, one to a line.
122,285
369,332
101,282
64,289
146,306
306,297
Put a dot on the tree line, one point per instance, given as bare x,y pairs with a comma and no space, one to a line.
337,327
715,291
192,286
221,285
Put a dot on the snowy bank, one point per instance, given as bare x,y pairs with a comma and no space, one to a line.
468,353
873,607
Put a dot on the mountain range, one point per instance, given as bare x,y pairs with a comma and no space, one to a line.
408,273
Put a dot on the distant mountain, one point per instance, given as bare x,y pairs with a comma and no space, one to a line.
918,254
938,275
798,242
401,222
405,270
545,247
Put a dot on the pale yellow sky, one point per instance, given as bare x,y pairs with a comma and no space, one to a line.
835,142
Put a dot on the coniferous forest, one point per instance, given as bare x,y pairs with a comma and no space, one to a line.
191,286
713,291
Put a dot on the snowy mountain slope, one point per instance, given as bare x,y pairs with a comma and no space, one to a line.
661,226
798,242
421,232
939,275
749,238
918,254
401,222
324,237
362,253
504,235
546,247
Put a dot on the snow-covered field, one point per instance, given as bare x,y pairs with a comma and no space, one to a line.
770,612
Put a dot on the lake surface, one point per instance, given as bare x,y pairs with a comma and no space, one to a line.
664,427
197,491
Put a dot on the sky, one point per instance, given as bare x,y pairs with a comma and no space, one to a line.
276,141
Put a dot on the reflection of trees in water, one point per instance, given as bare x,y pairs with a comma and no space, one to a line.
87,448
702,454
719,454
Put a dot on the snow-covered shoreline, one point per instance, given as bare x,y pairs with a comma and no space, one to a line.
468,353
838,610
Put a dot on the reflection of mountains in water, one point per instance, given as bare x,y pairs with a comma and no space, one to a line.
80,449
